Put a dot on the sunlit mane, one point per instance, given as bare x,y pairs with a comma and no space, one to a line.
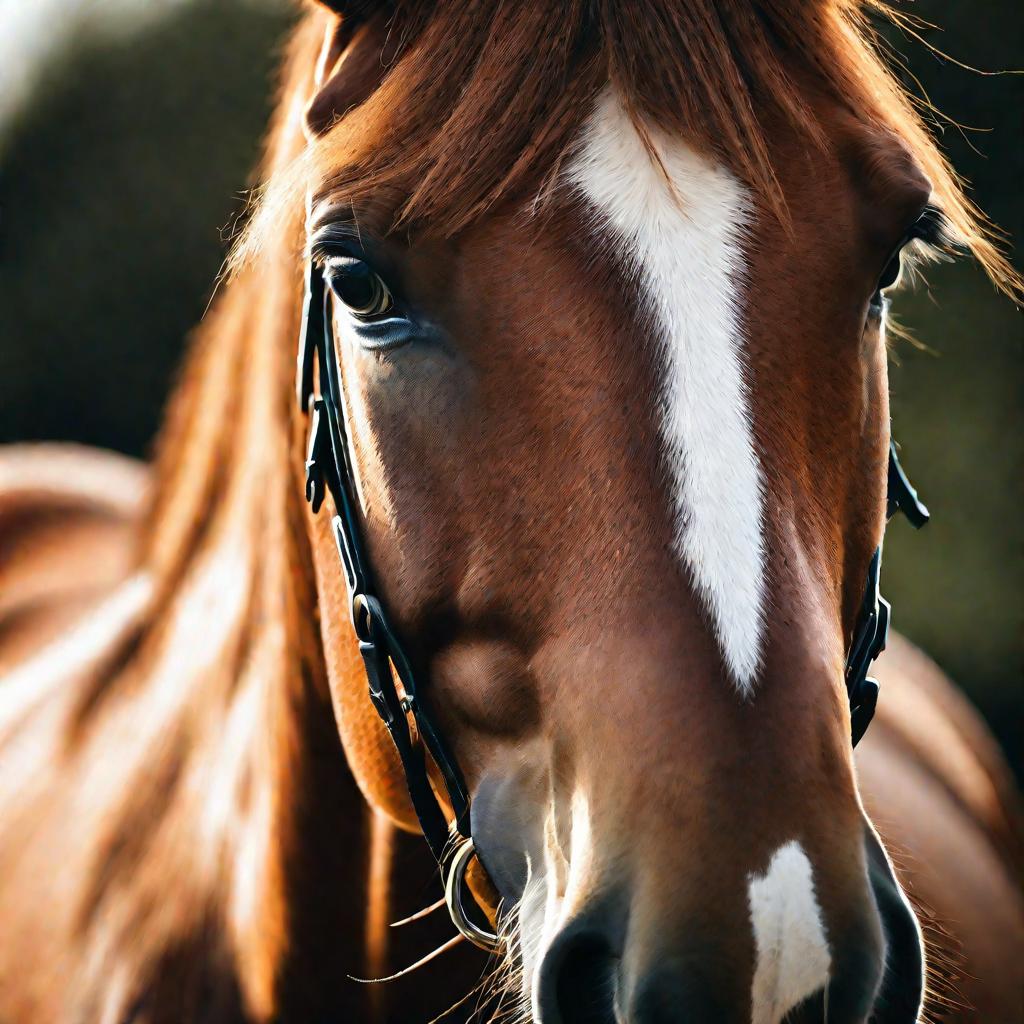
500,130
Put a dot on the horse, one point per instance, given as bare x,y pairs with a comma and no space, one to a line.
593,306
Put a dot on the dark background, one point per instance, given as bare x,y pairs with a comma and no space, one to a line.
119,179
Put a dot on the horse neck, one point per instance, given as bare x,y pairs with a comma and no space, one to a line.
234,627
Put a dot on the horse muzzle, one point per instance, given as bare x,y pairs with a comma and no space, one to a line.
609,963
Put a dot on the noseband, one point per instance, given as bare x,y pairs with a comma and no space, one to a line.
408,720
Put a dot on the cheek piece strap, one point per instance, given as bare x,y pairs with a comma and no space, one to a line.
871,630
393,684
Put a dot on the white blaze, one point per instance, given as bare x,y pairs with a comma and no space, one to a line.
793,959
684,250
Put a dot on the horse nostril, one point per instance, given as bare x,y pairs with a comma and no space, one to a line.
900,996
578,981
672,992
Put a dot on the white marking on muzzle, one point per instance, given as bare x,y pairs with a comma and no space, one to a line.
684,249
793,959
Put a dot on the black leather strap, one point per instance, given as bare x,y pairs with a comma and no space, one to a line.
328,469
871,631
901,495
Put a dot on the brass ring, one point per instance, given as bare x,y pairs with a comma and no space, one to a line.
490,941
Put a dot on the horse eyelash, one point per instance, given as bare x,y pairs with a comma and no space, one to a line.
931,239
933,229
334,240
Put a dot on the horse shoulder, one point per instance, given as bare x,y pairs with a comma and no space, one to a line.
943,798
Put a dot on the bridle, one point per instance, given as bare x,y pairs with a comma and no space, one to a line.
329,468
406,716
871,630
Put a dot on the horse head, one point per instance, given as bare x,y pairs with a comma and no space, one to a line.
598,306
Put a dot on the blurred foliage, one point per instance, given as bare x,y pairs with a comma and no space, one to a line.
117,182
115,188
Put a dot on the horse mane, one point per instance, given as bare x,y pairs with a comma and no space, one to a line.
483,102
193,865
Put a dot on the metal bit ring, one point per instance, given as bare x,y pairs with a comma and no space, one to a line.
453,885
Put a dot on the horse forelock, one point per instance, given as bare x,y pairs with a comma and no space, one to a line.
482,103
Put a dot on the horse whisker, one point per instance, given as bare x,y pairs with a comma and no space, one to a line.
423,961
461,1002
419,915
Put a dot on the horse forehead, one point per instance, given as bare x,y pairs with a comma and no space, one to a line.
678,220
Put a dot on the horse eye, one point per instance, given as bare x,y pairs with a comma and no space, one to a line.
360,289
891,274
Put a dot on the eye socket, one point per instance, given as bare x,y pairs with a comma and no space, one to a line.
359,288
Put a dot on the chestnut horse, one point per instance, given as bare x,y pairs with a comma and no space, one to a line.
609,313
